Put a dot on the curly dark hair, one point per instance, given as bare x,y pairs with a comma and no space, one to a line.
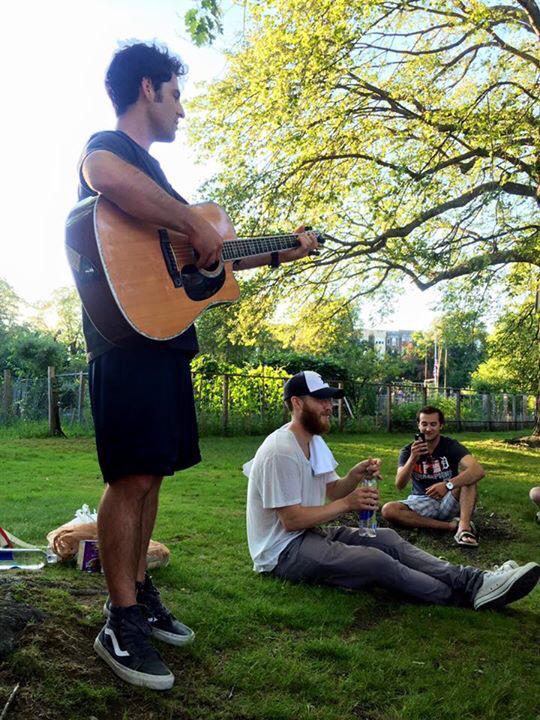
134,62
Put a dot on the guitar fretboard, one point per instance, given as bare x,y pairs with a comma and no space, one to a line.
249,247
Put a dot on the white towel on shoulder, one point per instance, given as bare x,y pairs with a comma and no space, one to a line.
320,457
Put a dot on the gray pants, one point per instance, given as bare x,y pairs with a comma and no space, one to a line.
341,556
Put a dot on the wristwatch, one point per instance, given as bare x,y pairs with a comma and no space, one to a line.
449,485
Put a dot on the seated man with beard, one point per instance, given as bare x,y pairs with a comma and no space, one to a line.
291,479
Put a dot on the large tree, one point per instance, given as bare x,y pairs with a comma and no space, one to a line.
61,316
10,305
461,346
513,362
406,128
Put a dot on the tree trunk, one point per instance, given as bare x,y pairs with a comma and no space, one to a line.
536,430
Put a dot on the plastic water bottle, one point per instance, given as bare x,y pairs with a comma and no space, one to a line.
367,519
22,559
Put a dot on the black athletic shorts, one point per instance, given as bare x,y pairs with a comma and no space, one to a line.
144,412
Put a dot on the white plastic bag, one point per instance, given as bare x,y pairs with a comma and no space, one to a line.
83,515
64,540
64,543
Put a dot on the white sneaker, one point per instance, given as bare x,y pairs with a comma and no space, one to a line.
506,585
508,565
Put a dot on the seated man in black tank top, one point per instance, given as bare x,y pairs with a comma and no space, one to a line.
142,399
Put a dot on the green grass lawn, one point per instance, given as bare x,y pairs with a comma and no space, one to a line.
265,648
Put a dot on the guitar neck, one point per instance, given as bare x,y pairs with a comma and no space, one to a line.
250,247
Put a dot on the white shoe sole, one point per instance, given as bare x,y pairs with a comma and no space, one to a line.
517,586
163,635
133,677
173,638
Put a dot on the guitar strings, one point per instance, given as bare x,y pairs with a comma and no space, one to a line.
239,248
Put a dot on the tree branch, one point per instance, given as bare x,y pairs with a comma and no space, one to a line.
514,51
533,13
458,202
473,265
431,51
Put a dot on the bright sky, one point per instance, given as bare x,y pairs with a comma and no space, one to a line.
54,56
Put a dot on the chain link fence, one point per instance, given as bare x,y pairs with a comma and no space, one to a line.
250,403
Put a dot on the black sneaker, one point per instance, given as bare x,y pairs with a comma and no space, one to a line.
124,645
164,625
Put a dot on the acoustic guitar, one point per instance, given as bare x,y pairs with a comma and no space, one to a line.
139,280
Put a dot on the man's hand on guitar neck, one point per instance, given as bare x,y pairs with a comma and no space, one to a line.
308,243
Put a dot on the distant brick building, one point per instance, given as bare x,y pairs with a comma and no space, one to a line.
399,341
389,341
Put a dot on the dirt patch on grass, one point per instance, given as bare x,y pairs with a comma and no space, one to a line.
60,676
15,617
489,526
531,441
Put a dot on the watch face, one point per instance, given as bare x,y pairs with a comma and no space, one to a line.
450,485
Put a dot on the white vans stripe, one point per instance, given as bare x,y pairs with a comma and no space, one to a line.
116,646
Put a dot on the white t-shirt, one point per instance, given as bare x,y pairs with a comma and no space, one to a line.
280,475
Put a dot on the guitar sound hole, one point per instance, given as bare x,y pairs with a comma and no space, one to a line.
200,287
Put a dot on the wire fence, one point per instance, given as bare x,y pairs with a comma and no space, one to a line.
251,403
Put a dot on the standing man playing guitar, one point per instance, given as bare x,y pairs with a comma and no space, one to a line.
142,397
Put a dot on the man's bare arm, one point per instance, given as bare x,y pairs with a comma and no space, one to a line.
300,517
343,486
138,195
470,472
404,472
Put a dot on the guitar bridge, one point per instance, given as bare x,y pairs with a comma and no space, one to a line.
169,257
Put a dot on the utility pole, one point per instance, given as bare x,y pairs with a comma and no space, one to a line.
445,366
436,364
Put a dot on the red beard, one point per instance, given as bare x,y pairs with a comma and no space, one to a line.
313,422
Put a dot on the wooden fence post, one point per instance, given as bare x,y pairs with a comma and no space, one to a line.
80,406
225,412
514,416
263,396
389,407
7,399
488,411
424,396
458,410
52,397
506,412
341,419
